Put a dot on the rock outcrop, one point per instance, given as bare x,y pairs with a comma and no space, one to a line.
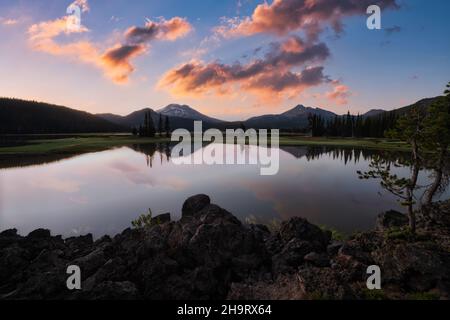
210,254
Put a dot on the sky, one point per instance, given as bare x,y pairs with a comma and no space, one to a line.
231,59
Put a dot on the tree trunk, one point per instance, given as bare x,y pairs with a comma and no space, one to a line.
410,198
412,218
412,186
438,177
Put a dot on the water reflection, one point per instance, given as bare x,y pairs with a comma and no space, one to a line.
102,192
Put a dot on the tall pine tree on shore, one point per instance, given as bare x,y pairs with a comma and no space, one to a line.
167,126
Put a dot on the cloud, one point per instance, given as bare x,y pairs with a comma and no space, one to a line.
8,22
116,61
163,30
340,93
83,4
311,16
271,76
136,40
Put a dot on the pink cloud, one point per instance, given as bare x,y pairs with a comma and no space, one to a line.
340,93
272,76
116,61
311,16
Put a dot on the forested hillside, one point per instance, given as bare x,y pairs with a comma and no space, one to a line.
31,117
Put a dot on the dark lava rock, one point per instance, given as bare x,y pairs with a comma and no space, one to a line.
39,234
8,237
210,254
301,229
194,204
333,248
419,267
318,259
110,290
323,283
390,219
8,233
162,218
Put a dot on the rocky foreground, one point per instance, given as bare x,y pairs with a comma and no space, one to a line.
210,254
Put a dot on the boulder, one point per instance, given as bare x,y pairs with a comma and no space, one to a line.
318,259
301,229
390,219
162,218
91,262
8,233
419,267
39,234
333,248
195,204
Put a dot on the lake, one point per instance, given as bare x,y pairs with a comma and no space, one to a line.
102,192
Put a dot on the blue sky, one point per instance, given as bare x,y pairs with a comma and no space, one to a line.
356,69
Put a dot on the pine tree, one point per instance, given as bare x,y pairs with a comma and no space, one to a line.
160,125
409,128
437,140
145,126
167,126
150,132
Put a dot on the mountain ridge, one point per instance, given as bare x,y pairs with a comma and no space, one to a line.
30,117
21,117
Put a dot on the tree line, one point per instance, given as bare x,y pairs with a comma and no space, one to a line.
352,126
148,129
31,117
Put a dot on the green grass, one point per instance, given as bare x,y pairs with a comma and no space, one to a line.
368,143
374,294
98,142
423,296
335,234
75,145
405,234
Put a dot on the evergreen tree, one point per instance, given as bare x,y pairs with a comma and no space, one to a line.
437,141
160,125
409,128
167,126
150,127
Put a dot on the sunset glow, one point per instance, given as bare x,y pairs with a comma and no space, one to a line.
228,59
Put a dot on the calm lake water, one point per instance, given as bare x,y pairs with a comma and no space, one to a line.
103,192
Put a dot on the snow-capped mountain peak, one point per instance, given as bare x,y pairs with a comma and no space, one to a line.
184,111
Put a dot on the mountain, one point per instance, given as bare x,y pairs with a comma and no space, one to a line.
373,113
296,117
302,111
185,112
421,104
180,116
132,120
31,117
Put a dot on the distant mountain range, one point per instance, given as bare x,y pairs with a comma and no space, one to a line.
180,116
20,116
296,117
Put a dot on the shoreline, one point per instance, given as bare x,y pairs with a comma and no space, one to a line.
92,143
